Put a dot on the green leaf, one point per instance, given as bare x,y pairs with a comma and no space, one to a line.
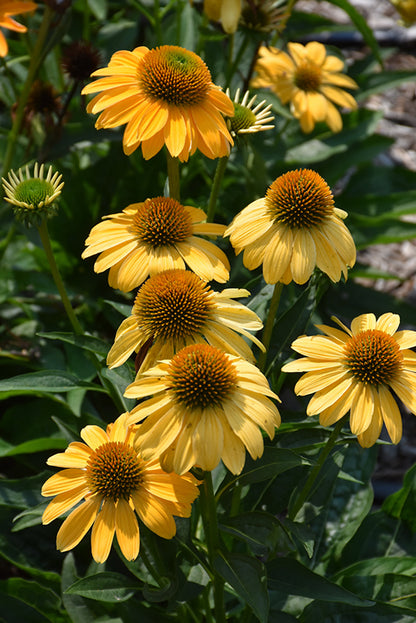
34,445
43,600
262,531
87,342
360,23
290,576
402,504
107,586
247,576
22,493
273,462
45,382
380,82
119,379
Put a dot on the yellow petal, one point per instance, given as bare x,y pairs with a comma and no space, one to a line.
303,256
390,413
94,436
63,502
153,514
208,440
103,531
65,480
362,409
127,530
76,526
363,323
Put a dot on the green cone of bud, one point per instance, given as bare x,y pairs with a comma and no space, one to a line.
33,196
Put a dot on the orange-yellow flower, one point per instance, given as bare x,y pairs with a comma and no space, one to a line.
355,370
225,11
294,228
309,79
207,406
166,97
156,235
407,10
176,308
112,482
7,9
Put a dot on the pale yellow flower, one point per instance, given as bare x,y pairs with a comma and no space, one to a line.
309,79
355,370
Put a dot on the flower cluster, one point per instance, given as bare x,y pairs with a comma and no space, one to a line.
201,399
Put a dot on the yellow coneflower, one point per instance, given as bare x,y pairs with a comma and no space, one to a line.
176,308
355,370
407,10
309,79
112,482
227,12
166,97
249,118
207,405
7,9
294,228
153,236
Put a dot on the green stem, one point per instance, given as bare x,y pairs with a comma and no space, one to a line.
173,176
268,327
302,497
35,60
209,518
215,188
44,236
106,383
237,60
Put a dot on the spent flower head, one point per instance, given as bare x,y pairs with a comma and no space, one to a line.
33,195
264,15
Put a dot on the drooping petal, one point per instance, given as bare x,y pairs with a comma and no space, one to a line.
103,531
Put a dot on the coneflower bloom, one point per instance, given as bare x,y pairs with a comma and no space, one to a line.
356,370
309,79
407,10
176,308
155,235
249,118
227,12
112,482
294,228
166,97
7,9
206,405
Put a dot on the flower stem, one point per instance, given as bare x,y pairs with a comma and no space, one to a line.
106,383
173,176
268,327
209,518
215,188
35,60
44,236
302,497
